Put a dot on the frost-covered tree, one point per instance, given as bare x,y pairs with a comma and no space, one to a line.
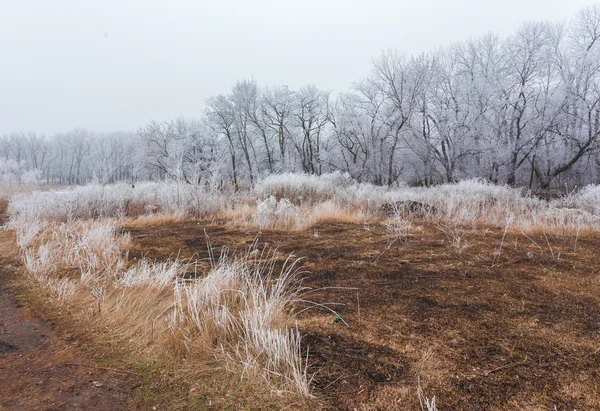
522,110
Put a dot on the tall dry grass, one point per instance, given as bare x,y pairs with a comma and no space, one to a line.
240,311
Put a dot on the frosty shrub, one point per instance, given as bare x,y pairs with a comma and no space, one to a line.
304,188
472,202
476,199
12,172
336,189
465,202
120,200
587,199
272,213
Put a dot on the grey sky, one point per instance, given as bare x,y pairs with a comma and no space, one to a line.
115,65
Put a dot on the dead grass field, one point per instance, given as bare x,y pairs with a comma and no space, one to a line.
495,321
401,303
54,357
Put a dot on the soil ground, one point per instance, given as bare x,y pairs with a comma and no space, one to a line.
491,322
40,368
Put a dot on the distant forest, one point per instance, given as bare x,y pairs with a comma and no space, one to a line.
522,111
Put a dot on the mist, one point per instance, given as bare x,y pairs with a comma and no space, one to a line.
110,65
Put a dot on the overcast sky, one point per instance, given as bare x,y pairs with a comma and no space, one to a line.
111,65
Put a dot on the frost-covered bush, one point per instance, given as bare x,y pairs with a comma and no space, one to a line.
367,196
11,170
476,199
273,213
266,212
91,201
117,200
336,189
304,188
587,199
14,172
288,215
465,202
31,177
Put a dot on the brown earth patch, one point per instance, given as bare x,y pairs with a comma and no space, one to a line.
492,324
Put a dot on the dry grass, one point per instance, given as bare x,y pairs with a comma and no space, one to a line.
152,220
450,294
239,310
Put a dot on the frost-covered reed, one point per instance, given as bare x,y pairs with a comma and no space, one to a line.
118,201
242,307
296,201
87,249
156,274
471,202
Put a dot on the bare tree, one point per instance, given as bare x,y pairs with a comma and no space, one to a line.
311,114
221,118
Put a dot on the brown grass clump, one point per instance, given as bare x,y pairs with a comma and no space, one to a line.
150,220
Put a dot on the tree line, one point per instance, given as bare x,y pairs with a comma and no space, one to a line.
522,110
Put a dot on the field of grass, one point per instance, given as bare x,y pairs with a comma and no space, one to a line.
321,293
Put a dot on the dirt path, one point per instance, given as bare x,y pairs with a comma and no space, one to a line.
40,370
